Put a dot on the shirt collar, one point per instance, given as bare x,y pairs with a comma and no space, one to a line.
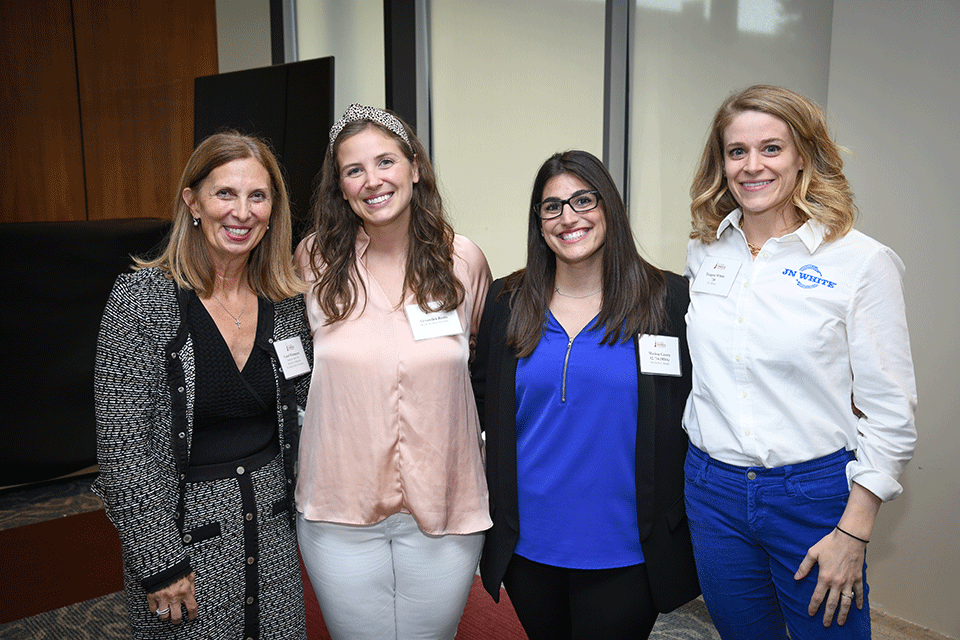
810,233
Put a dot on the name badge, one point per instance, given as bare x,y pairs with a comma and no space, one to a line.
716,276
659,355
433,324
293,361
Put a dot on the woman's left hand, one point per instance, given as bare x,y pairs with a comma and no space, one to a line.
841,556
840,580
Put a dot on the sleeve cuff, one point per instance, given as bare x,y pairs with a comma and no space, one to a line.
167,577
876,482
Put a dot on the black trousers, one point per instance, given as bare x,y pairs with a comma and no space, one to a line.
554,603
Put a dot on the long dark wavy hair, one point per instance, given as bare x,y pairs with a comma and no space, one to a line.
429,270
634,291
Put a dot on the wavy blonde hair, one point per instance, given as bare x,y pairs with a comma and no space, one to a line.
822,192
185,257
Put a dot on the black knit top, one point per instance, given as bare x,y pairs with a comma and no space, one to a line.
231,419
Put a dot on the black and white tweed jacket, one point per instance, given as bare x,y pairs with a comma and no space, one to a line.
143,391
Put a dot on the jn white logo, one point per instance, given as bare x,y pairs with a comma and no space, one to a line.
809,277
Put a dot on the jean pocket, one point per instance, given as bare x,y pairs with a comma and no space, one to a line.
831,485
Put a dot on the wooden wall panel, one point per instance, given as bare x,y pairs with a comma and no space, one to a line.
42,174
138,63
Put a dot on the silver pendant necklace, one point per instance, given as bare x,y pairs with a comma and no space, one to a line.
236,318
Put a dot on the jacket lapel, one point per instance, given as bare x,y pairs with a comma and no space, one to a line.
646,444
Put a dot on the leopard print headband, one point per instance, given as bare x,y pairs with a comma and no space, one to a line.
359,112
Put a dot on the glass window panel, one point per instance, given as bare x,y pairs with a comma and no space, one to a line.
352,32
513,81
687,57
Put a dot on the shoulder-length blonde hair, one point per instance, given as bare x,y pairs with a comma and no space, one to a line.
822,192
429,272
185,257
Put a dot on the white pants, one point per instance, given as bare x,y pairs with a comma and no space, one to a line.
388,581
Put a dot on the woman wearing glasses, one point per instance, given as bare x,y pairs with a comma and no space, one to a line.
581,376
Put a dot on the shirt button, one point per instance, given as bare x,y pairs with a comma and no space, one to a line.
738,358
249,517
240,471
250,600
187,538
182,435
180,389
746,284
251,560
740,319
284,407
173,355
743,395
752,475
746,432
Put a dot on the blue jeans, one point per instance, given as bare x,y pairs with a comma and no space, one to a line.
751,528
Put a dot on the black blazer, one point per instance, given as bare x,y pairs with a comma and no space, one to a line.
661,448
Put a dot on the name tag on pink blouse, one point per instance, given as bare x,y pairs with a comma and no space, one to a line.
293,360
434,324
659,355
716,275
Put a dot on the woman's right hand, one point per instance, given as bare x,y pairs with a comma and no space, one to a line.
169,599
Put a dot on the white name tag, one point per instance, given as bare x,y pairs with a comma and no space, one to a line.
716,275
434,324
659,355
293,360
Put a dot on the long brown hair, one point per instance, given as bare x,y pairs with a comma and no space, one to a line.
186,259
822,191
429,270
634,291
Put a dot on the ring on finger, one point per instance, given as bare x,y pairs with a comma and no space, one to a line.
163,612
848,595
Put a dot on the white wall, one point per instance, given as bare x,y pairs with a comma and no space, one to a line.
243,34
894,99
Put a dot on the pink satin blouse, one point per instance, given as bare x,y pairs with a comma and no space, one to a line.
391,424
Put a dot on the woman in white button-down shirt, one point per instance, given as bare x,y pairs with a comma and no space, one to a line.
793,315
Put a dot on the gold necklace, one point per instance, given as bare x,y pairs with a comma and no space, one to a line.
754,249
566,295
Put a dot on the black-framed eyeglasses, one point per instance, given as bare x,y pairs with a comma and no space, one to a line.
580,202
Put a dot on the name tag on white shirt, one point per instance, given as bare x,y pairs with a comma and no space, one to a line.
716,275
434,324
293,360
659,355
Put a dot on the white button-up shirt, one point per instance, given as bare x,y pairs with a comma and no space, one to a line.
776,359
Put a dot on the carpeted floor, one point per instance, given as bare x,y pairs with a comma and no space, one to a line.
104,617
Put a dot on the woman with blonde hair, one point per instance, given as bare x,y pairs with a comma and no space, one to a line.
391,496
200,366
792,315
